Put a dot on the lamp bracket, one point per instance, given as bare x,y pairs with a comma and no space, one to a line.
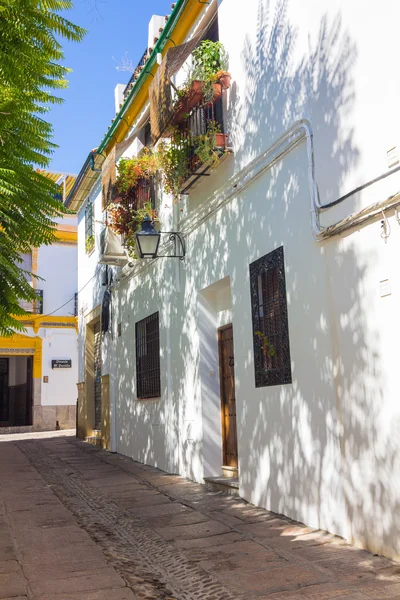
173,237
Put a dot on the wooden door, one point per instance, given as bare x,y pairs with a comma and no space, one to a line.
4,399
228,400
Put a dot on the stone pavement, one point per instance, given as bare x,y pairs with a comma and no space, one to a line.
78,523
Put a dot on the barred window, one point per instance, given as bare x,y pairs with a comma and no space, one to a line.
270,320
148,383
89,227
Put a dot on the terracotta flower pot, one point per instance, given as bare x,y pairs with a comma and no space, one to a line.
217,88
221,140
194,96
225,81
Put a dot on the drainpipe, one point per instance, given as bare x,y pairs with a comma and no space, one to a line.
315,205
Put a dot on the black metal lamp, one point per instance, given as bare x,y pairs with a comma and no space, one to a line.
148,240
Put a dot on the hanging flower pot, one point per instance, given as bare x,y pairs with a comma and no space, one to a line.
217,92
224,78
221,140
193,97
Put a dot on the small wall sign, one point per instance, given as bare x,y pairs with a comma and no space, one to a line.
61,363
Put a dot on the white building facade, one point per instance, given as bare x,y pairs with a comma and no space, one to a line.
39,368
292,237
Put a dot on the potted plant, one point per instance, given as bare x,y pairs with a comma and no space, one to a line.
89,244
191,95
209,58
132,170
205,145
206,80
224,78
173,161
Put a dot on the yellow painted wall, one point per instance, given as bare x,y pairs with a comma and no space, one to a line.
84,420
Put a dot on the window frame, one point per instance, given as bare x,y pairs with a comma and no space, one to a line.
148,386
270,316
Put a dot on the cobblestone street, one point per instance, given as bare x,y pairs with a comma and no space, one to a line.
77,522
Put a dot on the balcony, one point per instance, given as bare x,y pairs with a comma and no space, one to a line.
202,141
36,306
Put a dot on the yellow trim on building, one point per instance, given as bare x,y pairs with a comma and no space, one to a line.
23,345
48,321
70,237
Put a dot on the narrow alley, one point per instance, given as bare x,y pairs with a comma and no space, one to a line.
77,522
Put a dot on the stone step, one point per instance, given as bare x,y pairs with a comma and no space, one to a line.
228,485
230,472
95,438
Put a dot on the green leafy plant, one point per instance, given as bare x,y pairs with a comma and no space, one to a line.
209,58
210,62
173,161
267,348
89,244
205,144
174,158
126,221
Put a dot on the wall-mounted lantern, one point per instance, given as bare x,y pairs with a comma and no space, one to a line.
148,241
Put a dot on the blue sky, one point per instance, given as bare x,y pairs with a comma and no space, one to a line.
116,27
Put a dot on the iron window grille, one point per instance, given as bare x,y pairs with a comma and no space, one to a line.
76,304
89,227
148,384
270,320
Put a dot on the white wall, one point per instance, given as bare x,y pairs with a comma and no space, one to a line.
57,264
61,387
324,449
366,330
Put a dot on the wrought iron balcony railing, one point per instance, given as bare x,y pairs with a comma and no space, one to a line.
198,123
76,304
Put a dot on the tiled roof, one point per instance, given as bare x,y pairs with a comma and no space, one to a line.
60,178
